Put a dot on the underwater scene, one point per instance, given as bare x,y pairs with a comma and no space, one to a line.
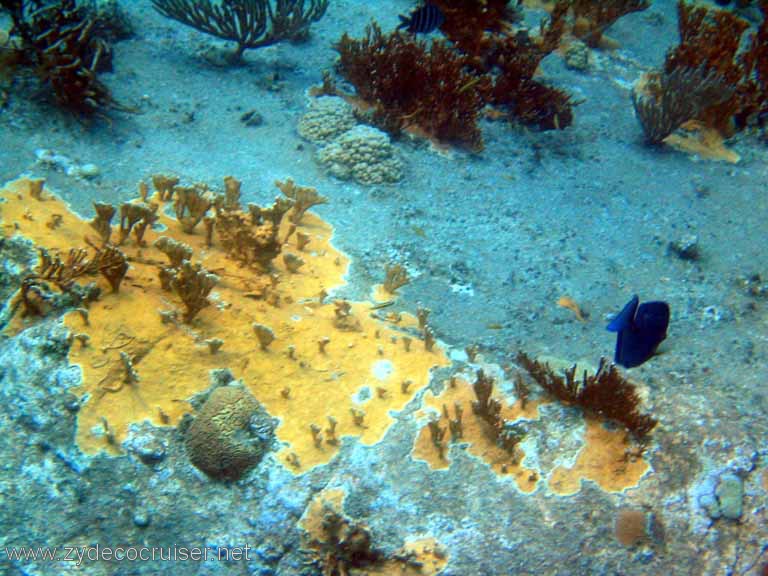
390,287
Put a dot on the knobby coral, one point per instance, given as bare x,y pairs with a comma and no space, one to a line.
249,23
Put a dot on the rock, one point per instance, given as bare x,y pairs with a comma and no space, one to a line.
141,517
577,56
686,248
88,171
730,495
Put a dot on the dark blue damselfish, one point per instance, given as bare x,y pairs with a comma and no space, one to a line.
640,329
422,20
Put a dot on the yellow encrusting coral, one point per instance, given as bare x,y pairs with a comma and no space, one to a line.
295,379
607,457
475,431
337,544
604,459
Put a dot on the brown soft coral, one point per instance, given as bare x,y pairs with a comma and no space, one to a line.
606,394
411,84
712,44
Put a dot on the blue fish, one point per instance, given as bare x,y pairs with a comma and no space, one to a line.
422,20
641,328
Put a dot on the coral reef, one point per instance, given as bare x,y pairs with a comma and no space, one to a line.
229,434
472,413
139,361
58,40
327,118
334,544
248,23
364,154
302,198
606,394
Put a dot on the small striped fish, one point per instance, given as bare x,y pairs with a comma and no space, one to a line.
422,20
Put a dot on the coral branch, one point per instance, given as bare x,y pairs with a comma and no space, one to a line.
249,23
193,284
606,394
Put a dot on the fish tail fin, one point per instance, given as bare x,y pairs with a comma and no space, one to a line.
404,22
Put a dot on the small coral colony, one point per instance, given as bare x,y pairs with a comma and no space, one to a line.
234,279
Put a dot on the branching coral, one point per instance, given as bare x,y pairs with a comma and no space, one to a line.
515,60
606,394
665,101
440,89
249,23
58,41
341,546
505,434
192,283
473,26
409,83
714,75
191,204
35,294
303,197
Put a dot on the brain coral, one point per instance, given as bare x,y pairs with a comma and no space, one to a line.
327,118
229,434
363,153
